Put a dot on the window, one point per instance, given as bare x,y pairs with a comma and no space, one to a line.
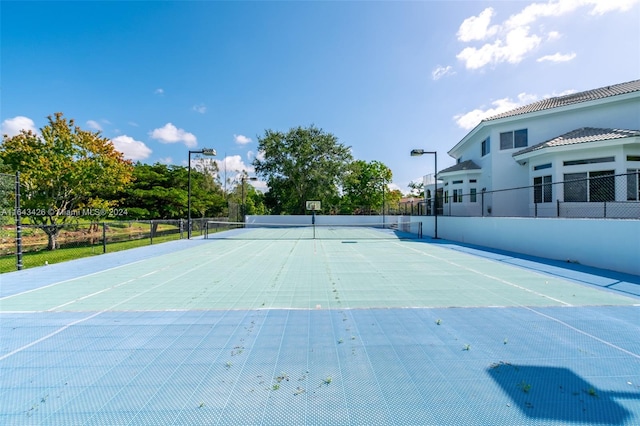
456,182
542,189
542,166
633,185
591,186
473,195
633,157
589,161
457,196
515,139
446,197
486,147
473,180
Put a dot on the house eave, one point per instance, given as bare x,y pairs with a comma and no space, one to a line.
608,143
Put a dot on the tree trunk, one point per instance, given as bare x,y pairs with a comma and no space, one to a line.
52,235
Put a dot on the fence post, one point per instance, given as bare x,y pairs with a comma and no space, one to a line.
18,215
605,208
151,231
557,208
535,209
104,237
181,228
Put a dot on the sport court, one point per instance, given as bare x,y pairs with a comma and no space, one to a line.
353,327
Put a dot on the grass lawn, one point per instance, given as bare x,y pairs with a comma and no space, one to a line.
75,246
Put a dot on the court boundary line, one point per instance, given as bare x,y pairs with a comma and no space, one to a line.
68,280
109,309
531,309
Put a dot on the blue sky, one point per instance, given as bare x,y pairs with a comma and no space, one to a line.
161,78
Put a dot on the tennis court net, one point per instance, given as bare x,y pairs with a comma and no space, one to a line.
322,231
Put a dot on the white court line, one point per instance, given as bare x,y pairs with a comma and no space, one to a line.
489,276
69,280
61,329
584,333
90,295
53,333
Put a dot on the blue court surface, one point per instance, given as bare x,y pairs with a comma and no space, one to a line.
355,331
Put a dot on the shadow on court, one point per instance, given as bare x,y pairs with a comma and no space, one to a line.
558,394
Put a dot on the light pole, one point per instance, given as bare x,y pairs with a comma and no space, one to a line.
204,151
417,153
244,179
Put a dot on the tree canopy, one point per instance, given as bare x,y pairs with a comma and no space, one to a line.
65,172
300,165
364,186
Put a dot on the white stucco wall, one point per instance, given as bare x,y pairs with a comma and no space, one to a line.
602,243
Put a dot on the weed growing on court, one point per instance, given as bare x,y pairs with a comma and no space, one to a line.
526,387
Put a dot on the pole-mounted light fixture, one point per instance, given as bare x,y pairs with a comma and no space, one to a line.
210,152
417,153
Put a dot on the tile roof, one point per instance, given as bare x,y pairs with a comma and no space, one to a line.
583,135
465,165
574,98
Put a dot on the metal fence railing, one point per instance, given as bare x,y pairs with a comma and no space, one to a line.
579,195
41,245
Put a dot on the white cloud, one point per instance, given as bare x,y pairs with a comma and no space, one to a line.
601,7
133,123
477,27
512,48
159,91
12,126
513,40
233,165
131,148
171,134
94,125
441,71
471,119
557,57
241,139
553,35
165,160
200,108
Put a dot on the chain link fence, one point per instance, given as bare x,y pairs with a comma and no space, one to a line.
84,238
579,195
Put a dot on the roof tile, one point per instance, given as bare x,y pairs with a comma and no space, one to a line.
582,135
574,98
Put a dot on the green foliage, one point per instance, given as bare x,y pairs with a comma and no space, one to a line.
302,164
363,186
160,191
64,171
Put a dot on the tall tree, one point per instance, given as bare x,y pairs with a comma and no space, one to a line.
160,191
64,172
364,186
302,164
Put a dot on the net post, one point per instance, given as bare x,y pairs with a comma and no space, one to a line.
313,223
